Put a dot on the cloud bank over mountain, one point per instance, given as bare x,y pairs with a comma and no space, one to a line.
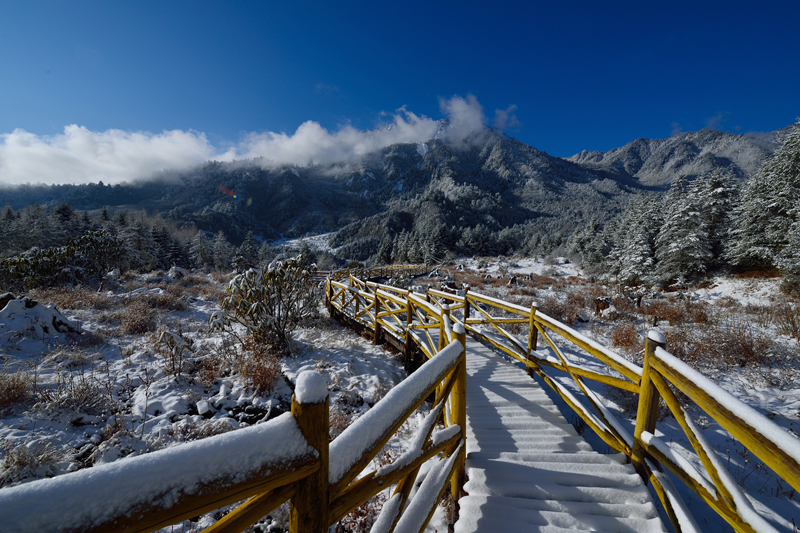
79,155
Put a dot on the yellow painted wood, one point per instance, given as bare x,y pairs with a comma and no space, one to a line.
561,330
210,499
369,485
499,304
369,454
723,510
251,511
307,510
778,460
647,411
459,406
590,397
680,416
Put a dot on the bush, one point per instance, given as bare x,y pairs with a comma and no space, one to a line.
271,302
34,459
14,388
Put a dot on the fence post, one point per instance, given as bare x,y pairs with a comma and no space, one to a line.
357,299
329,295
377,309
459,406
647,413
308,510
409,341
533,337
442,340
466,304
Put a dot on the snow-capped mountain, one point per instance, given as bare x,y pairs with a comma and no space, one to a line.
661,161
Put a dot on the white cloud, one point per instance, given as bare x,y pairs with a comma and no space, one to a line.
79,155
506,118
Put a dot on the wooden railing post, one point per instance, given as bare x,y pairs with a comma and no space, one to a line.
377,309
647,413
357,299
533,338
329,296
309,511
409,348
459,406
442,340
466,304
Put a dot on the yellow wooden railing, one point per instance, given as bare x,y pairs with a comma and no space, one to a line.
398,315
319,479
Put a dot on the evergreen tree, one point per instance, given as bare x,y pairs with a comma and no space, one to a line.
200,251
682,246
766,216
221,252
247,253
715,194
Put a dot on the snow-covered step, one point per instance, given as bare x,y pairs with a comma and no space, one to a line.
529,470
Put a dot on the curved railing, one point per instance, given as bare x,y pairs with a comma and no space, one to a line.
415,323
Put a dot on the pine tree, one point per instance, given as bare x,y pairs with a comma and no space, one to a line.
715,194
221,251
248,252
200,251
764,220
683,248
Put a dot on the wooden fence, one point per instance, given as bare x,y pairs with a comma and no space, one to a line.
287,458
406,319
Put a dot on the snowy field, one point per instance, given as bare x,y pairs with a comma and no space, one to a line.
121,388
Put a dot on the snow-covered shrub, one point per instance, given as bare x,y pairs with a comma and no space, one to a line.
14,388
34,459
270,302
173,349
73,391
787,320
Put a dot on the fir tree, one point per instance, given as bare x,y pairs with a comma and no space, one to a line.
682,247
221,251
764,220
200,251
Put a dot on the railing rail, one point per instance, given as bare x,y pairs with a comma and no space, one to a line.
488,319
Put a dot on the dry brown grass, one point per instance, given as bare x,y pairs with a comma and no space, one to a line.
74,298
137,317
625,336
676,313
262,368
734,345
15,388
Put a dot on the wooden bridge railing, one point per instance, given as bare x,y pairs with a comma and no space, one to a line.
382,308
287,458
488,318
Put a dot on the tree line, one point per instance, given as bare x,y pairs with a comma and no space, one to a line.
704,225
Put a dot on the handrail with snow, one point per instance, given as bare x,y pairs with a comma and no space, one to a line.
776,447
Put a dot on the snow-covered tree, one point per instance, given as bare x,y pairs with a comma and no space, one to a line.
715,193
221,251
200,251
683,248
247,253
767,213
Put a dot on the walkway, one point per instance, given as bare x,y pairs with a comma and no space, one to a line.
528,468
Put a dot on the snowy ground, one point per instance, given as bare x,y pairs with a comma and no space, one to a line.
120,391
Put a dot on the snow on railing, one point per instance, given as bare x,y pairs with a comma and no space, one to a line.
163,487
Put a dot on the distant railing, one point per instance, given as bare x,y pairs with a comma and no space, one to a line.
407,319
287,458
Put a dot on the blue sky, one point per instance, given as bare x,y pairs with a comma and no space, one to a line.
92,89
